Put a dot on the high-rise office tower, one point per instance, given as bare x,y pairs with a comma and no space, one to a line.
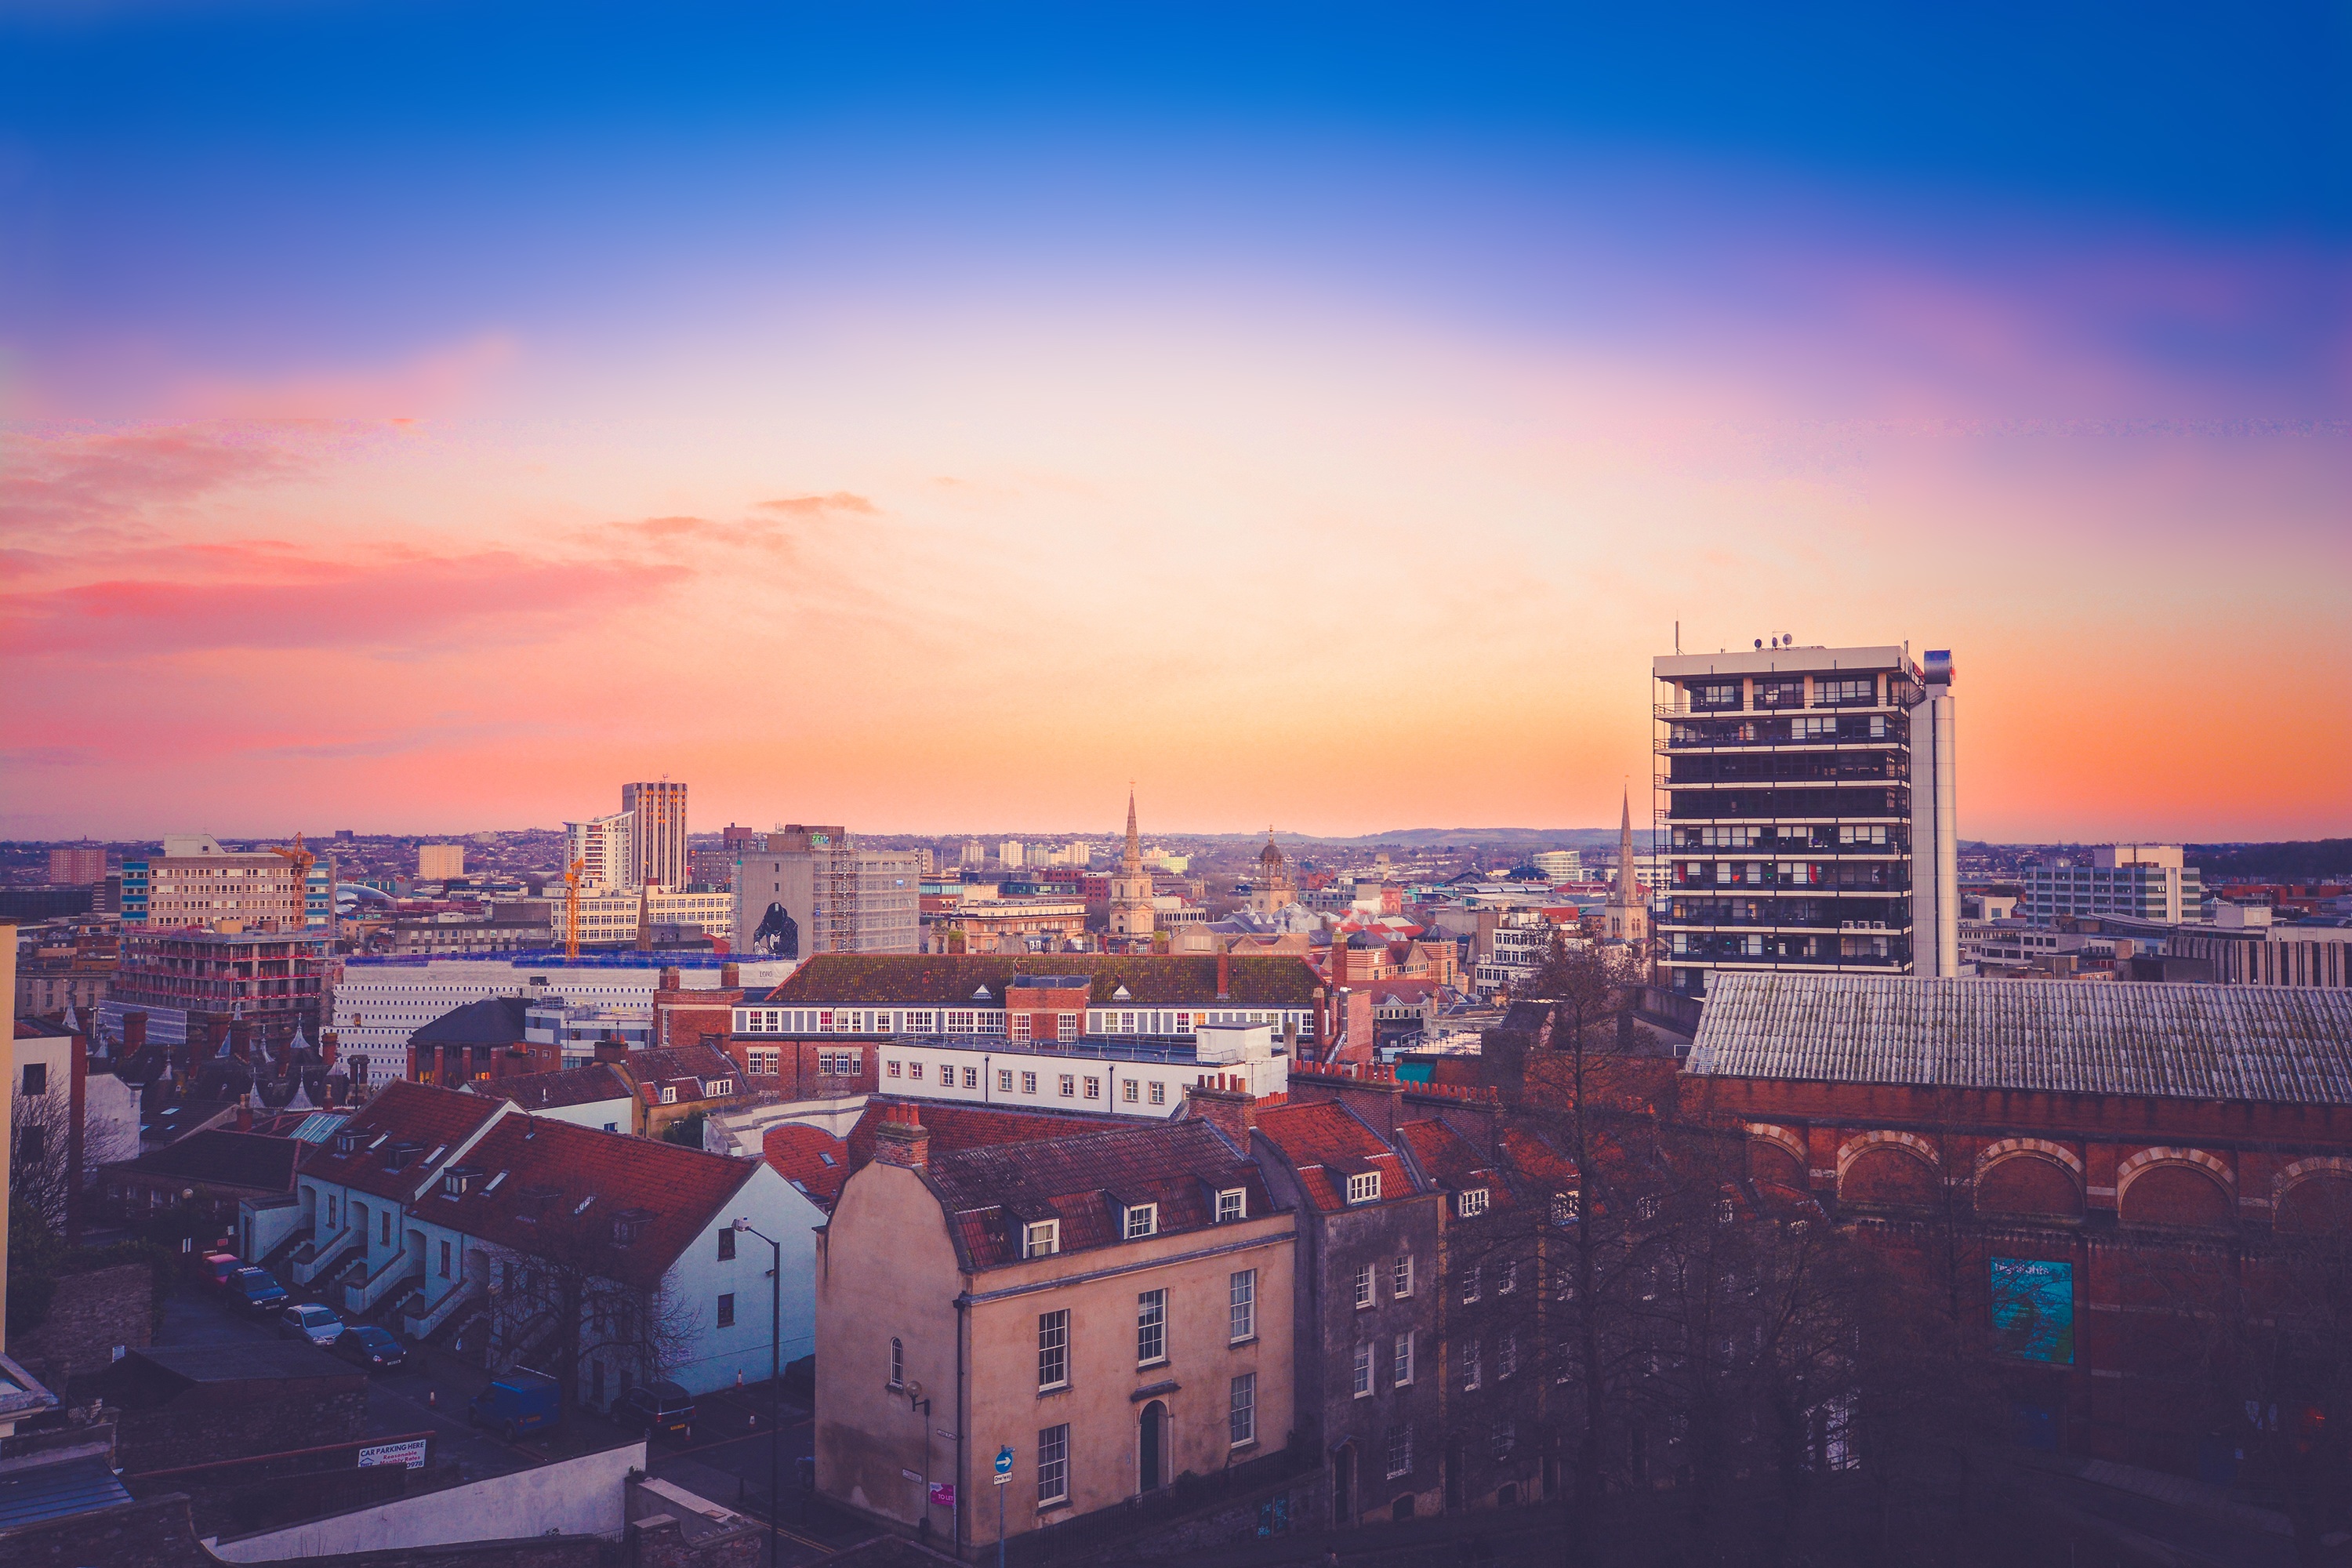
601,849
1807,796
657,838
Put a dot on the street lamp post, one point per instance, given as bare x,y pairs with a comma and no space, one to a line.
775,1380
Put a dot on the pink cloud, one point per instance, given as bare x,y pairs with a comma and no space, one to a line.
81,482
398,605
817,506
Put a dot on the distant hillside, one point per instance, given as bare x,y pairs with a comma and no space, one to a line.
2303,860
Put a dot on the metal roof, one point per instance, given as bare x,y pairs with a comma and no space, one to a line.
80,1484
2075,1036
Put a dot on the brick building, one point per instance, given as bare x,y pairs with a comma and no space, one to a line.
2067,1141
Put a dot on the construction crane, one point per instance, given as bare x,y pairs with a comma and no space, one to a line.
572,910
303,860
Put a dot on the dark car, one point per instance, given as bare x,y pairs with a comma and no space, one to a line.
257,1288
656,1409
370,1347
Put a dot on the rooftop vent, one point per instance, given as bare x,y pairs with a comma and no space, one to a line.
627,1224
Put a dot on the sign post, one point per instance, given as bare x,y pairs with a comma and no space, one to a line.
1002,1477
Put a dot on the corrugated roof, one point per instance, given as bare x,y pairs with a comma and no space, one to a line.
83,1484
2073,1036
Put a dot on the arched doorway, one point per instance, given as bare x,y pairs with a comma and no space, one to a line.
1151,1448
1343,1485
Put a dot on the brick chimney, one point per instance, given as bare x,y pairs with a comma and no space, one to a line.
134,1033
902,1139
731,977
240,1039
669,979
1232,1111
612,1048
1225,975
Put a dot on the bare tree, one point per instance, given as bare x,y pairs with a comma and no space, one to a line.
587,1293
40,1167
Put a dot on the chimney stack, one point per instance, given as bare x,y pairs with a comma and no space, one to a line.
1225,975
669,981
902,1139
612,1048
1232,1111
134,1033
731,977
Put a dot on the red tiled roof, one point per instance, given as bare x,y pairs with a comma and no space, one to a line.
956,1127
1179,1165
400,1112
678,1190
1453,1162
948,981
682,1067
552,1091
809,1158
1326,1142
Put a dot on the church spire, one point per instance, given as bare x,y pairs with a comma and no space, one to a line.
1131,859
1623,895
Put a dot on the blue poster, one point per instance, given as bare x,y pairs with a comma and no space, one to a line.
2033,1308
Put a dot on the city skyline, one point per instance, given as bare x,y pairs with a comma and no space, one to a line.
870,408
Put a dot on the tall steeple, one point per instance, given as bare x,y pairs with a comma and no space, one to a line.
1623,894
1132,912
1131,860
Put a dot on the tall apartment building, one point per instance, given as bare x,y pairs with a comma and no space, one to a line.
1806,793
2143,881
813,890
78,864
195,882
1012,852
440,862
657,853
1560,864
600,847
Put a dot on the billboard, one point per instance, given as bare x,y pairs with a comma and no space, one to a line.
2034,1309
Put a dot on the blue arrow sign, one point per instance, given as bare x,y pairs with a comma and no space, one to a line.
1004,1463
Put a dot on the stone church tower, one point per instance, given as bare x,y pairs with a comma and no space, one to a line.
1130,888
1628,914
1272,889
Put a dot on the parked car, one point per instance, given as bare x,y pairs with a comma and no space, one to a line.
367,1345
214,1268
659,1408
518,1401
257,1288
311,1322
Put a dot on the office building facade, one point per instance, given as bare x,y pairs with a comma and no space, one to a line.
1793,818
2140,881
440,862
196,883
601,849
657,852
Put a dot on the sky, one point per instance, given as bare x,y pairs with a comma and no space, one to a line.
933,418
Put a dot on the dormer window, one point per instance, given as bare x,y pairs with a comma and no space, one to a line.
1122,994
1470,1202
980,994
627,1224
719,1088
1142,1220
1041,1238
1233,1203
1567,1206
669,1094
1364,1187
458,1180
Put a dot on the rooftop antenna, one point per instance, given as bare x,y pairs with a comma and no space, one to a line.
1678,637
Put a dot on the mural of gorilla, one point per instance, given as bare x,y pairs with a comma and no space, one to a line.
779,935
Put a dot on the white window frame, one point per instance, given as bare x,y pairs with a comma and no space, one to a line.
1054,1349
1364,1187
1362,1370
1400,1278
1041,1238
1233,1203
1241,1410
1401,1361
1470,1202
1142,1220
1367,1291
1054,1463
1241,1306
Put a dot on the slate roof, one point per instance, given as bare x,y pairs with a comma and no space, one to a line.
401,1113
554,1090
230,1159
2168,1041
493,1021
948,980
809,1158
534,1175
1452,1161
698,1066
1084,1181
1326,1144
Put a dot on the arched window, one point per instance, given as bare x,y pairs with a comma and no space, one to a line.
897,1363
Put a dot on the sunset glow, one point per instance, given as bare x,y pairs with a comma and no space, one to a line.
928,433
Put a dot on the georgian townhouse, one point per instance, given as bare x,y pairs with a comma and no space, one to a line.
1369,1280
1114,1309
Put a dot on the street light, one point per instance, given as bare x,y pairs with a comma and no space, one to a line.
775,1378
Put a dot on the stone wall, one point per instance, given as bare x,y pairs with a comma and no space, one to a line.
201,1427
90,1314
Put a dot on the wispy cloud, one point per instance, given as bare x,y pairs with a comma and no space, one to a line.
84,480
819,506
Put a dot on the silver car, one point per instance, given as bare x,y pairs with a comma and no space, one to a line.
311,1322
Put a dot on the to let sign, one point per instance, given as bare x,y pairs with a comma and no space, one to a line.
943,1494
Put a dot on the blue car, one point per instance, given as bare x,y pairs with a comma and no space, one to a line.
257,1288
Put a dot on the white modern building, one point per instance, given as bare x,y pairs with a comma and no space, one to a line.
2140,882
379,1003
440,862
602,848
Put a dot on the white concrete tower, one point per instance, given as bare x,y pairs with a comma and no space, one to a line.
1935,826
